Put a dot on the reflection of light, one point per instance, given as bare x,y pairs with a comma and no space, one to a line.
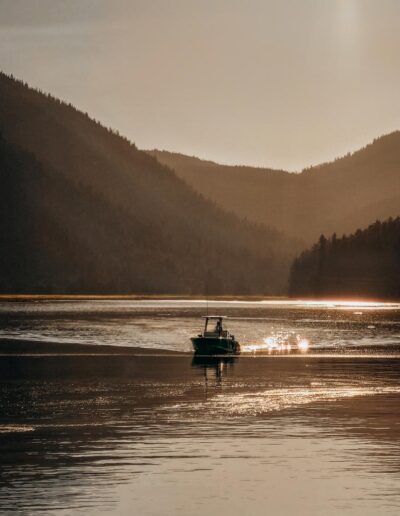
279,342
297,303
271,400
303,345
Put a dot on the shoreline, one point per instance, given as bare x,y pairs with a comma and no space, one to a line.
135,297
189,297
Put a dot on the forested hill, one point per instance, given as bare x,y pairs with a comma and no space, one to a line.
82,210
341,196
365,264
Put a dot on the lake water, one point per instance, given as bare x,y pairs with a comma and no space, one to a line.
277,430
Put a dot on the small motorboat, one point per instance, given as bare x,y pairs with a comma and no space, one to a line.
215,339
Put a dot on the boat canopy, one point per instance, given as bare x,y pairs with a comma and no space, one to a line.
218,329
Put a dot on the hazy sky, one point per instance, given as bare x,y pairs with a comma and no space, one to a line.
280,83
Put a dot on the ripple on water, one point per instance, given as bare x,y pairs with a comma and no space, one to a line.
10,428
274,400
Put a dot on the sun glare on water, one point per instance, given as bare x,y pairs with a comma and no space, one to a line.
280,342
303,345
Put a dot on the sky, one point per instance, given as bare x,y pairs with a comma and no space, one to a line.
275,83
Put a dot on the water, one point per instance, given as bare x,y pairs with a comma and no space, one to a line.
311,433
168,325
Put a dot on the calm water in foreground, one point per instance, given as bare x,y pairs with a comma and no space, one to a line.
275,431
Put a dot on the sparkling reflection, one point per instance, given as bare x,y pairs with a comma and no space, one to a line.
282,342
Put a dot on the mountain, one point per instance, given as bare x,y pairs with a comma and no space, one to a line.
340,196
366,263
82,210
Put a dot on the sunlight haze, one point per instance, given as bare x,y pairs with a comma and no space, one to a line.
283,84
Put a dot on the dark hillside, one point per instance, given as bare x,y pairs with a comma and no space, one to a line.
84,211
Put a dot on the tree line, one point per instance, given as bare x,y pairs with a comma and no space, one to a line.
363,264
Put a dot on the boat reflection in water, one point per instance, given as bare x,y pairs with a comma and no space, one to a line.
213,364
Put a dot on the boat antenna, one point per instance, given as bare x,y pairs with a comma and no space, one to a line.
207,277
207,294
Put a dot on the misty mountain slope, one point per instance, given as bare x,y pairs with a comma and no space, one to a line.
333,197
83,210
257,194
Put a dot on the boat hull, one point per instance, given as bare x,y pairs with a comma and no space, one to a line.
215,345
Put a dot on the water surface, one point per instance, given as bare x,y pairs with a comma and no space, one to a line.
330,326
310,433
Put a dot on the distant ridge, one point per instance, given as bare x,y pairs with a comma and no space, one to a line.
82,210
340,196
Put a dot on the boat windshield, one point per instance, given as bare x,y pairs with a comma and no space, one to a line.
214,326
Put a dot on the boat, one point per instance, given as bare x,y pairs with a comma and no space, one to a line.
215,339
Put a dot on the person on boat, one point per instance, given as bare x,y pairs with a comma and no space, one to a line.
218,327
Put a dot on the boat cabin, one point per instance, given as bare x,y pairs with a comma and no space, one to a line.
213,326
